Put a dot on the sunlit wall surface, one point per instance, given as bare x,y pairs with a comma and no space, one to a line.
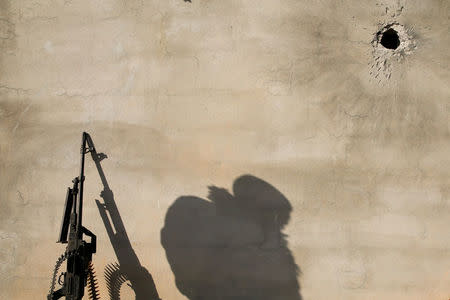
255,149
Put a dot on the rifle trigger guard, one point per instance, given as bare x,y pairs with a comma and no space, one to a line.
61,282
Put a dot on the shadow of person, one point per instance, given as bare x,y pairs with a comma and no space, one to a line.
128,268
232,247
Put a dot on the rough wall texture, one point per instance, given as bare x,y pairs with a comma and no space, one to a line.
353,145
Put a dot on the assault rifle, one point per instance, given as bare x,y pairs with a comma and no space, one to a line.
78,254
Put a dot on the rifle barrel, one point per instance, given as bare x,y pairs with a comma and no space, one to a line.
81,181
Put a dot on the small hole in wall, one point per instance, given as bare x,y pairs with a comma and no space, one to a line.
389,39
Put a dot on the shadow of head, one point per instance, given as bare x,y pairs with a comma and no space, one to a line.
254,198
232,247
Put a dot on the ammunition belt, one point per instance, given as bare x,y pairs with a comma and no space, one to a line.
92,280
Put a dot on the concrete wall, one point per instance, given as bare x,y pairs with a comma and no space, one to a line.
291,99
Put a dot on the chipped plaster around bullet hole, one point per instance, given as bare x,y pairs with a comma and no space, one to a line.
391,44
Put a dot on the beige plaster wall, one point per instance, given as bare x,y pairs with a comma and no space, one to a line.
184,95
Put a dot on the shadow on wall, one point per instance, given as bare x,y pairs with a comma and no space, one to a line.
232,247
128,267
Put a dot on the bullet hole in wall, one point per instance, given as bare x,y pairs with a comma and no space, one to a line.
390,39
392,43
